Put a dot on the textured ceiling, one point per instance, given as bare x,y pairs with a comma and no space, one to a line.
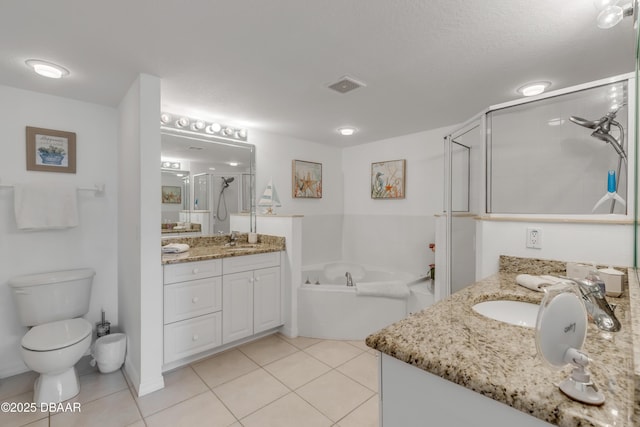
267,64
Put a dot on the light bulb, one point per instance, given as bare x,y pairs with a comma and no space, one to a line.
242,133
228,131
165,118
182,122
197,125
609,17
213,128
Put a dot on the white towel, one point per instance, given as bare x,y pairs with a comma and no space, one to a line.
392,289
536,283
175,248
45,206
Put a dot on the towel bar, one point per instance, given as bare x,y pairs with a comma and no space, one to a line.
98,188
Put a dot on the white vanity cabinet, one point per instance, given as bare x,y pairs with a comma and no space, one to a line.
251,295
192,308
208,304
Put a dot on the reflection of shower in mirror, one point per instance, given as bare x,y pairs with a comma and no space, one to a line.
221,211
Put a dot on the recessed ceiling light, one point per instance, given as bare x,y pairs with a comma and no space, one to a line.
233,163
531,89
347,131
47,69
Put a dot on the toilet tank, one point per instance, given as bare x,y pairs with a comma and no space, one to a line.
47,297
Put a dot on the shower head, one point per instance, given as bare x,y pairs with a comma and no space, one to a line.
602,127
591,124
227,181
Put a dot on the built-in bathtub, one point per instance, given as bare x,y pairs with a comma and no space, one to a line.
329,309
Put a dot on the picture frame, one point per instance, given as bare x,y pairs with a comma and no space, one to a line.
306,180
388,179
171,194
50,150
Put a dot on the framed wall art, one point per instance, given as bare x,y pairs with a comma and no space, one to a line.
51,150
307,180
388,179
171,194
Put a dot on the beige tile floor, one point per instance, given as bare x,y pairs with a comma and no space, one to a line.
275,381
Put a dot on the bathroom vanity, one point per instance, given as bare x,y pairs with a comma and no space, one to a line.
218,295
452,366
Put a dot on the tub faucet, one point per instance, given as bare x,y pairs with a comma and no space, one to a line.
597,306
349,278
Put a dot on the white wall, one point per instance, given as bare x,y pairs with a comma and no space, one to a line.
394,234
91,244
601,243
139,260
322,222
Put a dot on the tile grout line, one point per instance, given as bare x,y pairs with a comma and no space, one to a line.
216,395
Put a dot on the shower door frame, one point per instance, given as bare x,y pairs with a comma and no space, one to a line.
479,120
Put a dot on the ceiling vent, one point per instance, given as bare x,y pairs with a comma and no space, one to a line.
346,84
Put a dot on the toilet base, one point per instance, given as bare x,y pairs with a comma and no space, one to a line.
56,388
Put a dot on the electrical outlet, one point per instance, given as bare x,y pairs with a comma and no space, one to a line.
534,237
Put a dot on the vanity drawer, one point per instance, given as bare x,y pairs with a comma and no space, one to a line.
189,337
237,264
190,299
174,273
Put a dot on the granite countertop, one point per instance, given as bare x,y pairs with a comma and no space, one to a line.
214,247
500,361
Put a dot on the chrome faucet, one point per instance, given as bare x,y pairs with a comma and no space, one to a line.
349,278
597,306
233,238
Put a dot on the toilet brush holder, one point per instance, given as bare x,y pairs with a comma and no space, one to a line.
103,327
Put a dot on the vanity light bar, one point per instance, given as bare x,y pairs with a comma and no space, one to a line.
201,127
170,165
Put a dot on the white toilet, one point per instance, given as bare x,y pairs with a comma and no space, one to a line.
52,303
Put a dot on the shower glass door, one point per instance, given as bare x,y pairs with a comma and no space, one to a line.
463,176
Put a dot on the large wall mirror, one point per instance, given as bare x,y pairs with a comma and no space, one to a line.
204,182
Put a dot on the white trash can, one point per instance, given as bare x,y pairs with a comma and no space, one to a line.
108,351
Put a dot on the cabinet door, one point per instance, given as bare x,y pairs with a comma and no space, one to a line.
266,299
237,306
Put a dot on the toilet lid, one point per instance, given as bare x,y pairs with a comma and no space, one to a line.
56,335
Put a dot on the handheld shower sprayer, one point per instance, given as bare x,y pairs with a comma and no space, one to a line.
221,211
226,182
602,127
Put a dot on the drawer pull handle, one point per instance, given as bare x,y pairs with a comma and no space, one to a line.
195,271
195,338
257,279
194,300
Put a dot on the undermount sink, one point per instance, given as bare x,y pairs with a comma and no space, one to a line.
513,312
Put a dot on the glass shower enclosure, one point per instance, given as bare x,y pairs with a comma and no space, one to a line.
562,155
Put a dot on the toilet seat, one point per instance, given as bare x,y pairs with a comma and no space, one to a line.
56,335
